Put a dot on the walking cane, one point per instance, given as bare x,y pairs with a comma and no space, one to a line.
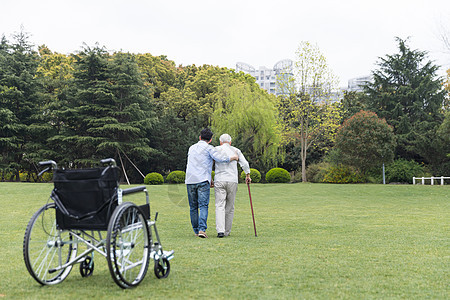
251,205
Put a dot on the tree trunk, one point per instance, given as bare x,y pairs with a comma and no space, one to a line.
303,168
303,141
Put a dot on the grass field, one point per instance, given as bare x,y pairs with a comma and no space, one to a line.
315,241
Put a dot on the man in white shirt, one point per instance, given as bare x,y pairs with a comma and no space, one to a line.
198,179
226,183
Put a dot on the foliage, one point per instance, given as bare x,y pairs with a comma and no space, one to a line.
316,172
352,103
278,175
176,177
342,174
20,103
407,92
107,110
306,108
158,72
444,135
153,178
365,141
255,175
94,103
402,170
249,115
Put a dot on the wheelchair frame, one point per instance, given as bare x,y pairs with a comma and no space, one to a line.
50,252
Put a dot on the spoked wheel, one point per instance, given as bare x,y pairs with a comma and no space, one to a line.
87,266
127,245
46,248
162,268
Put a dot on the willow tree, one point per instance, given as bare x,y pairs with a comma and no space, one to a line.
249,115
310,115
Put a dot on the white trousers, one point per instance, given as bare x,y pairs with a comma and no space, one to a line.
225,194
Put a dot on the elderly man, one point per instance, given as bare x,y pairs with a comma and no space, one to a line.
226,183
198,179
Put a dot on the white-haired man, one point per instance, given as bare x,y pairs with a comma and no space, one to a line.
226,183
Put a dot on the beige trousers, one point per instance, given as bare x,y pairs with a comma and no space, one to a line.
225,194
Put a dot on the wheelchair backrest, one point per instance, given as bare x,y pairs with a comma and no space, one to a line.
85,198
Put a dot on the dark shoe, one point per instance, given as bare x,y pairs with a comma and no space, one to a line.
220,235
202,234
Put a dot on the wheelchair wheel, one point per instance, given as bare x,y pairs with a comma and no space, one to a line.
162,268
127,245
45,247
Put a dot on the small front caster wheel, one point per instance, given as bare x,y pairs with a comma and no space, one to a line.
87,267
162,268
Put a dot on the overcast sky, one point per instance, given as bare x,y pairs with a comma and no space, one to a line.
351,34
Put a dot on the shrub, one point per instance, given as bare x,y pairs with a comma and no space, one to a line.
47,177
153,178
403,170
255,175
297,176
342,174
316,172
26,176
176,177
278,175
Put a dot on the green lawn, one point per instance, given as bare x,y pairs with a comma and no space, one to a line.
315,241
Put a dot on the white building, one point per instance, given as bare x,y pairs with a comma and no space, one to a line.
356,84
267,78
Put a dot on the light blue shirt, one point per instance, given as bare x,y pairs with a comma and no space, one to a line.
200,161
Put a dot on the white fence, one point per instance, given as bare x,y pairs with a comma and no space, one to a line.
430,178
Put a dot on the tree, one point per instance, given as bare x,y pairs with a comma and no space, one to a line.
407,93
352,103
158,73
249,115
306,108
444,131
130,116
108,109
20,101
365,141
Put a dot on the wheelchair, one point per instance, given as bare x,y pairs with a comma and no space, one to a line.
86,214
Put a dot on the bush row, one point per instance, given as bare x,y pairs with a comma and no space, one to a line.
275,175
400,171
25,176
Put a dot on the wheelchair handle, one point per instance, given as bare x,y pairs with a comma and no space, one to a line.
110,161
49,162
53,164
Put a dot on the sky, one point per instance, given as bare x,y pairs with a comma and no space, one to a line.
352,35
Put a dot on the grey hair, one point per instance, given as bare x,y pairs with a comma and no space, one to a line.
225,138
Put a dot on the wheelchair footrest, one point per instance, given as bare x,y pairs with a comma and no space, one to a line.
166,254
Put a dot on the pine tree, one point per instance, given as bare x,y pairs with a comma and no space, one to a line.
407,92
20,103
108,109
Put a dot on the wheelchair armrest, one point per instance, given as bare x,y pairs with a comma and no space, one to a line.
134,190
